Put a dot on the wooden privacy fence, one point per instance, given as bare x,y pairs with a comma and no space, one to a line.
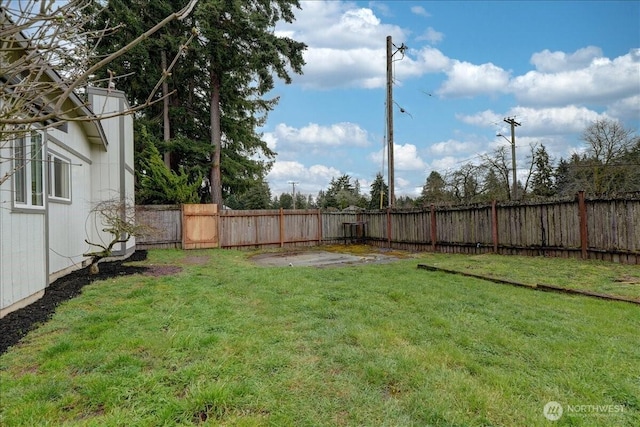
270,228
202,226
599,229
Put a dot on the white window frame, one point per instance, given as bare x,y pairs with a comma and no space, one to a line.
29,172
59,167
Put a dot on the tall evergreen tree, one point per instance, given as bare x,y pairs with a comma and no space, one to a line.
342,193
562,178
379,193
286,201
434,190
542,179
240,53
218,86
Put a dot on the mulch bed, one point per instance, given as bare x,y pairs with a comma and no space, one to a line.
17,324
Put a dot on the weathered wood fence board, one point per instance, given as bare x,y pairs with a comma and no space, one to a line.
165,225
332,225
615,225
270,228
599,229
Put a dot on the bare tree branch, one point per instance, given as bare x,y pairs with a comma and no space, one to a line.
32,44
48,57
118,219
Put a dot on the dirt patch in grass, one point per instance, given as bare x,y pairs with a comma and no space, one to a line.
162,270
17,324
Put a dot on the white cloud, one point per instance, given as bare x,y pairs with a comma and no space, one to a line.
444,164
405,157
627,108
554,121
309,179
602,81
537,121
419,10
324,172
553,62
450,147
406,187
271,140
343,44
382,8
339,25
356,67
483,118
339,134
286,170
430,35
432,60
465,79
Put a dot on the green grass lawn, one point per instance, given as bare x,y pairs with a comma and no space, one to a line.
595,276
226,342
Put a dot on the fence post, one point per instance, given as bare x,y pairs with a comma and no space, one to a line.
434,231
582,208
389,227
281,227
319,227
494,225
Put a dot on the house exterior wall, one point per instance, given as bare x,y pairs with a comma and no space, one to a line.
67,220
39,245
112,173
23,271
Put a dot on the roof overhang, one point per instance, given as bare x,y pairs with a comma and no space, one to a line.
78,110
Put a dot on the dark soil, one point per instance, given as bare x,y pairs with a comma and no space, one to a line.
17,324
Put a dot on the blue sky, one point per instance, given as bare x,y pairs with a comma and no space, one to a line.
556,66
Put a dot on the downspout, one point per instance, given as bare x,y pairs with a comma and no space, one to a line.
122,169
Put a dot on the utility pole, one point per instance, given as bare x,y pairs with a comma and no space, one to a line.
513,123
293,185
390,53
390,121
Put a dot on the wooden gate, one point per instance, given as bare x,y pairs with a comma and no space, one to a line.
199,226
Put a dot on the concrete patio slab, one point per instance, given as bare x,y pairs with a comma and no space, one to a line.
318,259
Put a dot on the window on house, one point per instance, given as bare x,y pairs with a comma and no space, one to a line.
59,177
28,174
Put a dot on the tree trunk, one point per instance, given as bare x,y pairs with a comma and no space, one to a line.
216,140
165,109
93,268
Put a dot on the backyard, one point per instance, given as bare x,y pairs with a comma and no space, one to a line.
210,337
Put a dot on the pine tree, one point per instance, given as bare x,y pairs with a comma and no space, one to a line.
562,179
239,54
218,86
434,189
379,193
542,180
